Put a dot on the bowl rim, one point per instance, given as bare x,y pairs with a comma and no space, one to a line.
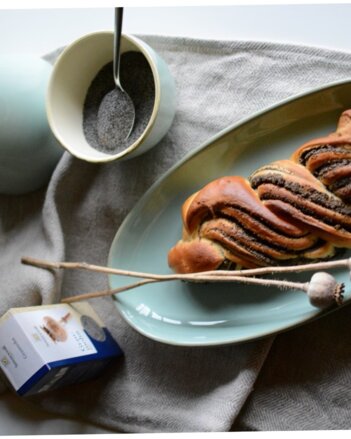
145,49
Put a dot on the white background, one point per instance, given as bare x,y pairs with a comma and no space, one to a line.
40,31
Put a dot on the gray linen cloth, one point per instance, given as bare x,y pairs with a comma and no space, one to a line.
306,378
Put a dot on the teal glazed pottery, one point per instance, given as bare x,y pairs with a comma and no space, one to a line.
187,314
28,149
72,75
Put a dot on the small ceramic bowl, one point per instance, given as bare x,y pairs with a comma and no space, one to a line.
71,77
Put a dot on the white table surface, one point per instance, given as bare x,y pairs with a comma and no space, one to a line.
40,31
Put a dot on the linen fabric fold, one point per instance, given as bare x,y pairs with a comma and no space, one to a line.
156,387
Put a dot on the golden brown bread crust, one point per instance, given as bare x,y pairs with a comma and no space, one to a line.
293,209
194,256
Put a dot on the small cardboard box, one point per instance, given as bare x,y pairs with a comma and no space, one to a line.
46,347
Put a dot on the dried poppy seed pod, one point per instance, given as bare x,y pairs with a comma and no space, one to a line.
323,290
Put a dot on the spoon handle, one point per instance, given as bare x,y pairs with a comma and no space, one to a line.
117,44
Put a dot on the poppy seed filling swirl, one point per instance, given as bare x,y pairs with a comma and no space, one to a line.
295,210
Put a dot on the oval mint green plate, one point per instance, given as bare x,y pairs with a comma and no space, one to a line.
188,314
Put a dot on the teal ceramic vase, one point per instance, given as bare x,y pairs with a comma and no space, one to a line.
28,149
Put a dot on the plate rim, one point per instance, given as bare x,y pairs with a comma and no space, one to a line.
318,314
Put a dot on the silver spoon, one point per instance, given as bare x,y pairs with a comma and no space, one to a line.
116,113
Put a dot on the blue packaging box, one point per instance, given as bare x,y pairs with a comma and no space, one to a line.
50,346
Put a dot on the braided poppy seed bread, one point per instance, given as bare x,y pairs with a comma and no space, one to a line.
293,210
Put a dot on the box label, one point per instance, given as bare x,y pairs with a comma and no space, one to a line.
57,333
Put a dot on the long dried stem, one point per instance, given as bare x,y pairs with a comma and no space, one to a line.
239,279
205,277
103,293
341,263
333,294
